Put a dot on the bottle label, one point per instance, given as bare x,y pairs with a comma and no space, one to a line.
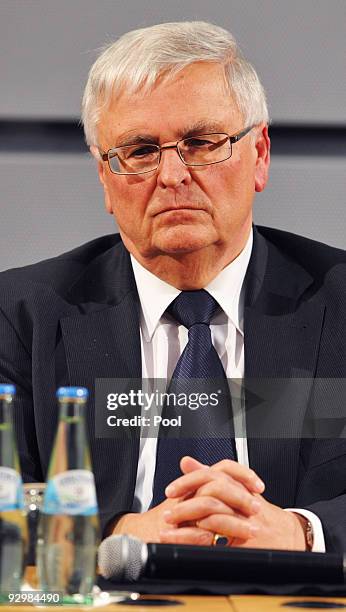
71,492
11,490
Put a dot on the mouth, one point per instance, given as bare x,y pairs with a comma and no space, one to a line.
178,209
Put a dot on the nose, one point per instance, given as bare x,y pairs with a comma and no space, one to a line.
172,172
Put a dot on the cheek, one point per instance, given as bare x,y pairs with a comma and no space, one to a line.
236,179
128,201
224,182
231,190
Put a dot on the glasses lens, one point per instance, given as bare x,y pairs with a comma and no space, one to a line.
205,149
134,159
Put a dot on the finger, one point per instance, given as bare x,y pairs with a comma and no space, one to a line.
195,509
189,483
190,464
228,482
230,526
220,486
234,469
234,497
187,535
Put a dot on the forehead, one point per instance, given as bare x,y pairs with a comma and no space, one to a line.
196,95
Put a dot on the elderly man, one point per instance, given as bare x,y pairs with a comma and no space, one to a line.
177,121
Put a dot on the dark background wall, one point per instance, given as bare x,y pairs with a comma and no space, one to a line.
50,197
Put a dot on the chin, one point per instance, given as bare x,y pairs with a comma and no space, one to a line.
183,240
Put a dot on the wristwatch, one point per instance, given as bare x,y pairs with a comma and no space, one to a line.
309,536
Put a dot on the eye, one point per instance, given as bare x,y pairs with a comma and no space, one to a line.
142,151
197,143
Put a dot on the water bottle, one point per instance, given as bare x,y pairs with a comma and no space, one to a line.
13,527
68,531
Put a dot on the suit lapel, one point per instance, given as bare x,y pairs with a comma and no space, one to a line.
282,334
103,341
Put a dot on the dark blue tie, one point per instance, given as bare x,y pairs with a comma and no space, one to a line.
207,432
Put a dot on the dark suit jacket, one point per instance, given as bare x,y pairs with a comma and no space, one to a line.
75,317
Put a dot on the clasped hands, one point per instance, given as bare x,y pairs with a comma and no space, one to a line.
226,499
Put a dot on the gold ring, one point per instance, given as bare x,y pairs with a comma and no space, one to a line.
220,540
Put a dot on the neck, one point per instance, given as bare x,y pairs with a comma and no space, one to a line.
190,271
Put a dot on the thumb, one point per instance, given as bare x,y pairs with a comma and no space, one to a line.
189,464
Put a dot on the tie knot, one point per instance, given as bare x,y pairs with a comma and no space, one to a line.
191,307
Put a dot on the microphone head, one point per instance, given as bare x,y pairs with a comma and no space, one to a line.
122,558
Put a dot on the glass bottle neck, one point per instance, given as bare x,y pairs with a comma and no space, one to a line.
71,411
71,446
8,452
5,411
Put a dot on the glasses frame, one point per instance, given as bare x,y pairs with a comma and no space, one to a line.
232,140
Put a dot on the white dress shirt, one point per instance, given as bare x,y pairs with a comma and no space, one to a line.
163,341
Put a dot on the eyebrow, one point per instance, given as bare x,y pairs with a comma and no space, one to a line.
200,127
203,127
135,138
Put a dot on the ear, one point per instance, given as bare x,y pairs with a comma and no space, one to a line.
262,145
102,172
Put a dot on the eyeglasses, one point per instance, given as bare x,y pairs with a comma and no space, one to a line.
201,150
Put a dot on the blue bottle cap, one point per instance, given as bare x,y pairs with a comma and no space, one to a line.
7,389
73,392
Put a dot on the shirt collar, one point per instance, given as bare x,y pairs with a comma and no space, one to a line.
227,288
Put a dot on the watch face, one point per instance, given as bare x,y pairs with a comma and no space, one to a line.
309,536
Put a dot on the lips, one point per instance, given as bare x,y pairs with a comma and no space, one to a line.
177,208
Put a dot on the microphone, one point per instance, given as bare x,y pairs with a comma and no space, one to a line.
125,558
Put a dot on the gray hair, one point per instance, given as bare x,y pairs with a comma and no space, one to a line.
140,57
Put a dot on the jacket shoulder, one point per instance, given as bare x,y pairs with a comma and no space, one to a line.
317,258
61,271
